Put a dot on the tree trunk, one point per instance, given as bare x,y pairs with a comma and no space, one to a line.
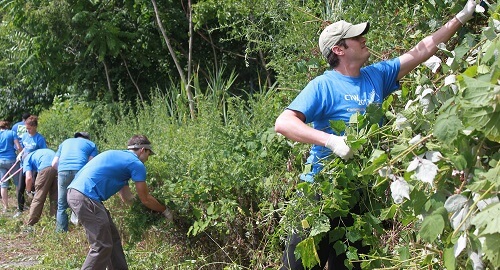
108,79
174,58
132,79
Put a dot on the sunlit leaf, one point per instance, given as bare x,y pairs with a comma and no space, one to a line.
433,156
490,249
425,170
455,202
460,245
488,220
306,251
321,225
433,63
399,190
458,217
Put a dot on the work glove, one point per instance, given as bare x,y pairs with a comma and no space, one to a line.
339,147
30,195
466,14
19,156
168,215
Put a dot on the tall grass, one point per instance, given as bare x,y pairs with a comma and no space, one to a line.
222,174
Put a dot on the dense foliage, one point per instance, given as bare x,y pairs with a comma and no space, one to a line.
427,180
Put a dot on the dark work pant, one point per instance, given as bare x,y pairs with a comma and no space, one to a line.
22,189
326,252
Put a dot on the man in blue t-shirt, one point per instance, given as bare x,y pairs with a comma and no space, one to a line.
40,162
72,154
348,88
105,175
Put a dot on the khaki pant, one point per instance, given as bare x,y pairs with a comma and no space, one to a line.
106,251
45,183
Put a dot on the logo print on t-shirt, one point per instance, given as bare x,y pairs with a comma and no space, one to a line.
362,103
21,129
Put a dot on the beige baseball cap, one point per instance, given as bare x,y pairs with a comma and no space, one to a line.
334,32
139,146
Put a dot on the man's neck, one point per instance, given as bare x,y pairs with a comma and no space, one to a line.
348,70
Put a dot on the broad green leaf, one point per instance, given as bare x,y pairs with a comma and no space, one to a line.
353,234
447,127
306,251
471,72
459,162
352,253
490,33
388,213
338,126
377,162
479,93
455,202
336,234
339,247
488,220
492,175
432,226
485,119
490,249
374,113
404,253
418,201
490,51
305,224
449,259
321,225
210,209
398,148
461,50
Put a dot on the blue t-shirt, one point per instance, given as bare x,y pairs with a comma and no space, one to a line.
107,173
74,153
19,128
7,146
38,160
333,96
32,143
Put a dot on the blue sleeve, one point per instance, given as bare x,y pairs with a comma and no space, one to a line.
94,151
388,72
58,152
138,172
309,101
27,164
43,143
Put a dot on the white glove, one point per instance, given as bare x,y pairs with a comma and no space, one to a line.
30,195
167,214
339,147
466,13
19,156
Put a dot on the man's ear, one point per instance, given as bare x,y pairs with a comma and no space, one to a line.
338,50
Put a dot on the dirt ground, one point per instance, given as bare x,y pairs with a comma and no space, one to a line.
16,249
17,252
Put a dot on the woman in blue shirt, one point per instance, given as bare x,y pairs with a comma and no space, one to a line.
8,144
